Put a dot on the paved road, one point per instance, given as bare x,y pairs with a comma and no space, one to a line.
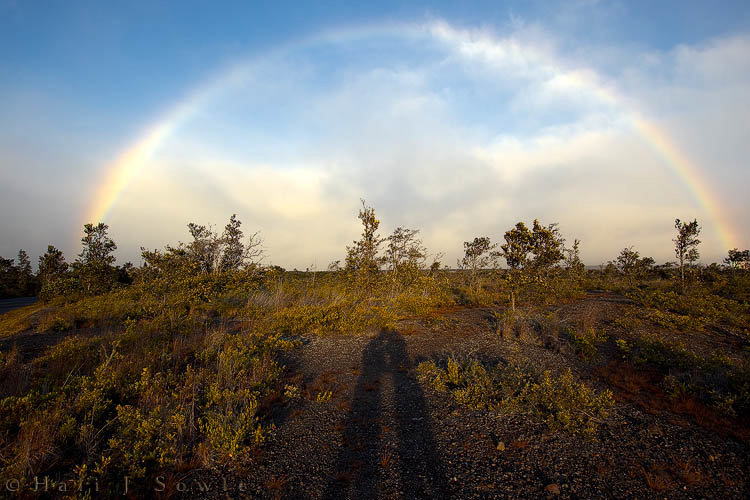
10,304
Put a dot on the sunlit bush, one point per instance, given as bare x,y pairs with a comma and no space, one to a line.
559,401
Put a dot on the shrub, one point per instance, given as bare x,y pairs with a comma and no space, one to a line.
146,439
65,288
691,311
565,404
716,380
324,396
559,401
55,322
309,319
333,318
586,343
230,431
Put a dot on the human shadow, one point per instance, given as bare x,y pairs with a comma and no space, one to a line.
360,469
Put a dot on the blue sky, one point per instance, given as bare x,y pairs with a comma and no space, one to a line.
458,118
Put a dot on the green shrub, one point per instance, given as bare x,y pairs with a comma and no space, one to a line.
333,318
54,323
310,319
146,439
65,288
716,380
587,342
559,401
233,425
692,311
567,405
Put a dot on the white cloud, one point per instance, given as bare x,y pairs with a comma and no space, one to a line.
458,132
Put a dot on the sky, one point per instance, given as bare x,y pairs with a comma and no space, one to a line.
610,118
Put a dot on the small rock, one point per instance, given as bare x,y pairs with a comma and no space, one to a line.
553,489
500,446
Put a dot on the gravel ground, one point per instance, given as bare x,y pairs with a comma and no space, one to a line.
382,434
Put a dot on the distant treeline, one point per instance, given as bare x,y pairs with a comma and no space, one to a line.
528,253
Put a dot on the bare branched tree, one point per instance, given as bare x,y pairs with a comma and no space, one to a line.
230,251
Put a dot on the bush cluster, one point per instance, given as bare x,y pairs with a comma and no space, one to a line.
559,401
718,380
138,400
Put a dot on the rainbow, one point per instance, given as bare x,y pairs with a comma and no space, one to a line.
120,173
691,177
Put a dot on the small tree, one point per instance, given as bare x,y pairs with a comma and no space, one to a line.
435,266
573,264
644,267
205,249
97,245
52,265
531,255
686,245
405,256
478,255
516,250
233,256
738,259
7,278
548,245
230,251
238,251
94,265
25,276
573,257
362,260
627,263
548,250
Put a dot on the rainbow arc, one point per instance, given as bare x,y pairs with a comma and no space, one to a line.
136,157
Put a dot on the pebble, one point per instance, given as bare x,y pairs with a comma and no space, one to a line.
553,489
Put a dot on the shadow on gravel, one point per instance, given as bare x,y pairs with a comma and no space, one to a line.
361,468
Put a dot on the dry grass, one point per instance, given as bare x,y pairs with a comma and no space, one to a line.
275,485
19,320
14,374
386,459
659,477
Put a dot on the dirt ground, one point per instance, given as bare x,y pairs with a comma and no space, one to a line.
383,434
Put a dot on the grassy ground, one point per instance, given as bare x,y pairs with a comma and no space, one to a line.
227,380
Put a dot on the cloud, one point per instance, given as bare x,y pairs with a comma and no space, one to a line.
454,131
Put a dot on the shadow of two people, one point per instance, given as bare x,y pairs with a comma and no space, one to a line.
358,471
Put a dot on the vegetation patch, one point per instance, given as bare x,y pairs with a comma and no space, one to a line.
690,311
21,319
559,401
114,406
716,380
588,340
